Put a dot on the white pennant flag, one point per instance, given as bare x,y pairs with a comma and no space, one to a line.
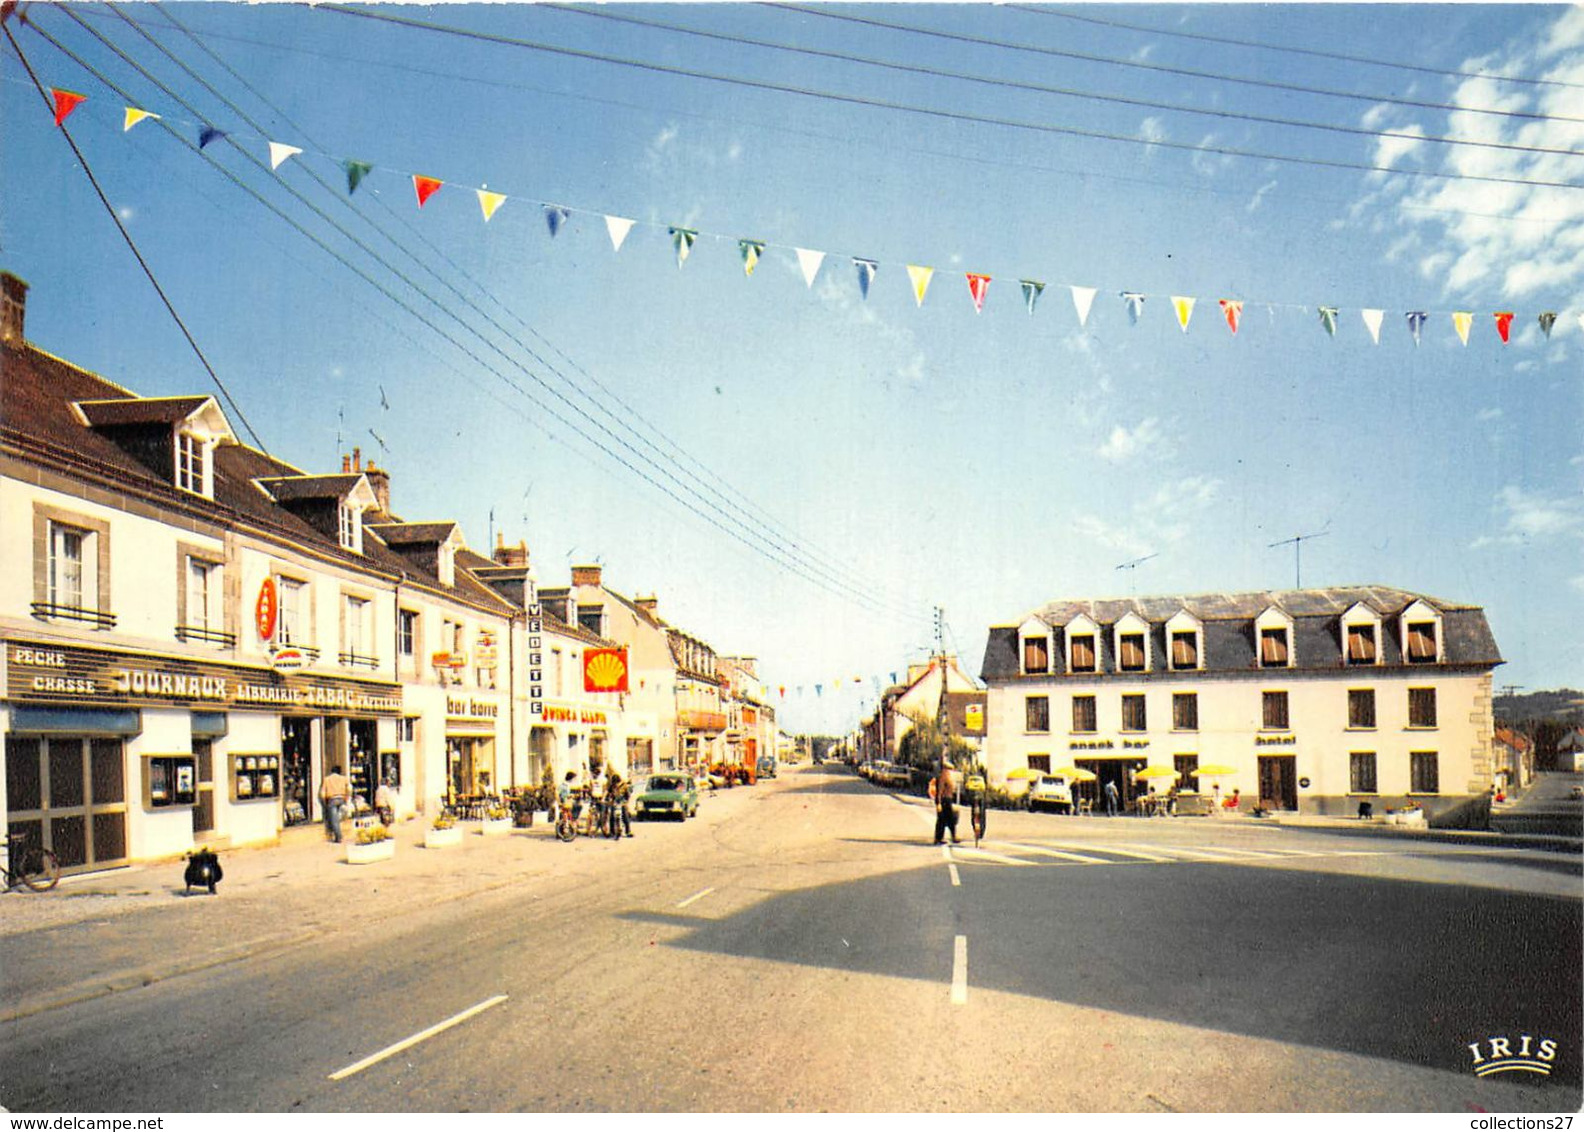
810,263
1372,319
1083,299
280,152
618,227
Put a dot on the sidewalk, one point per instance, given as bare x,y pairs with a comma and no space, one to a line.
1554,843
82,940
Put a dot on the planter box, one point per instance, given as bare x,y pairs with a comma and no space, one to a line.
495,827
357,854
440,838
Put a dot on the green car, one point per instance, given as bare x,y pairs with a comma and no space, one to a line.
669,795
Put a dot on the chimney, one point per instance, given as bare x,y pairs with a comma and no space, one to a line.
515,556
357,460
586,576
379,480
346,464
650,604
14,309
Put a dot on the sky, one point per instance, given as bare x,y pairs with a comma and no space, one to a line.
802,472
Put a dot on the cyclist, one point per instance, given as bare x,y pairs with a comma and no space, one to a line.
567,795
616,794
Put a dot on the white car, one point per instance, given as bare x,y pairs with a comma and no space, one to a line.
1049,791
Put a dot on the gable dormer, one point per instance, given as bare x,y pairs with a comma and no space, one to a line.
1185,640
332,505
429,547
1361,635
1273,635
1034,647
1420,629
174,437
1131,643
1083,644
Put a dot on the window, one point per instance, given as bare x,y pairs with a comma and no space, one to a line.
202,613
1083,713
1133,713
1421,707
1361,644
1422,642
1039,762
1273,648
1361,772
1361,707
1083,653
192,464
1131,650
407,728
592,618
1275,716
349,527
1185,650
1036,712
357,633
1424,773
1186,766
555,672
407,634
1036,654
293,626
1185,711
68,566
71,567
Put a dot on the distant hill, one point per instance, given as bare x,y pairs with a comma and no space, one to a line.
1563,705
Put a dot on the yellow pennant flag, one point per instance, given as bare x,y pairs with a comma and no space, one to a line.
489,202
921,277
1183,305
134,116
1462,320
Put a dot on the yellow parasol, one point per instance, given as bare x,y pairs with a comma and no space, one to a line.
1076,773
1021,772
1214,770
1155,772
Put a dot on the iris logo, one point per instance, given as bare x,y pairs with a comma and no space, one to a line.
1497,1055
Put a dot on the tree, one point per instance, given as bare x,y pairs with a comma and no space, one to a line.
923,743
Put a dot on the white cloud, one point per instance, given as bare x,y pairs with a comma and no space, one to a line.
1488,415
1151,130
1527,517
1126,444
1160,519
1577,582
1259,196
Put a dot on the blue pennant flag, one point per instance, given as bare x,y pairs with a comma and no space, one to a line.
866,273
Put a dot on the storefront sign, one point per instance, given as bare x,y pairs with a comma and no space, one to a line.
554,713
973,717
64,674
460,707
605,670
1275,740
288,660
266,609
1107,744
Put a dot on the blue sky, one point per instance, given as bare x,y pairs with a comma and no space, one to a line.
905,455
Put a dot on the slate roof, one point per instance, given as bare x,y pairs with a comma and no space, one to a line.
424,534
1230,641
140,410
289,489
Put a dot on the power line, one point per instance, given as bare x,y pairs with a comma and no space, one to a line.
755,543
137,254
948,115
1163,68
1065,92
1310,51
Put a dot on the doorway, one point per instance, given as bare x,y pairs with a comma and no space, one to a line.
68,793
296,771
1278,781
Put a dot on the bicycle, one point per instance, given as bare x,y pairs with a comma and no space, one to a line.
28,864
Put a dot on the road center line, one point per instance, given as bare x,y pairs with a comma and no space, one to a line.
408,1043
699,895
956,880
959,987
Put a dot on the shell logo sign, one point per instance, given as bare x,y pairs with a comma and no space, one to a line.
605,670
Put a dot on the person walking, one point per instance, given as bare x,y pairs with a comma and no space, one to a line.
943,791
1112,799
333,792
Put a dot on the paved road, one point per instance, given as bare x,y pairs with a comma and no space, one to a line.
799,947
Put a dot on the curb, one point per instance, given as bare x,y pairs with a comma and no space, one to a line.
1553,843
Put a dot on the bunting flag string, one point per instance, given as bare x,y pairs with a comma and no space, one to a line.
978,285
279,152
134,116
1233,309
425,187
1031,292
489,202
810,262
617,227
65,102
866,273
750,250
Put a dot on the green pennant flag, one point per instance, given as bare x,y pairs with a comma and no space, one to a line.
1328,319
1547,321
751,250
356,171
1031,292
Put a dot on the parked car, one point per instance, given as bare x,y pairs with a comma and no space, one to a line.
891,775
668,795
1049,791
767,768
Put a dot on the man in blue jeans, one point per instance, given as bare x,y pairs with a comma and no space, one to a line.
333,792
1111,799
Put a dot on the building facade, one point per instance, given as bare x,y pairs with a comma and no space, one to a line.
1312,700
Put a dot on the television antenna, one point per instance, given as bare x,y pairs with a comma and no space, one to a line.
1134,565
1297,542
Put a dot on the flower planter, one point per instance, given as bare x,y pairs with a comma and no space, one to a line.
494,827
366,854
440,838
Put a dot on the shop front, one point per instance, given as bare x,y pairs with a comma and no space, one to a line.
470,739
581,738
115,755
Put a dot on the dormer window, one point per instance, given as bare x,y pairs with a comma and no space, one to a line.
349,527
1273,648
1081,648
1421,642
445,564
1361,644
1132,643
1186,634
1185,650
592,619
193,470
1036,654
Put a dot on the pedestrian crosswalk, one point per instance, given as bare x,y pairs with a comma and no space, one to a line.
1044,852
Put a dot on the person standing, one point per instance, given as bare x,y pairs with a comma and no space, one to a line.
333,792
1112,799
943,790
1072,799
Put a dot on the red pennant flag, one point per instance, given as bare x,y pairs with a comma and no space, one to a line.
1233,308
977,286
65,102
1504,324
425,187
